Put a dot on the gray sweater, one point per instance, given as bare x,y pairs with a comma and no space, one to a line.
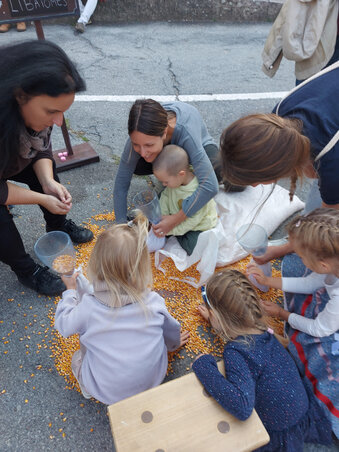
126,348
191,134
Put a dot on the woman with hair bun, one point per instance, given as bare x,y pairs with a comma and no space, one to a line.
299,139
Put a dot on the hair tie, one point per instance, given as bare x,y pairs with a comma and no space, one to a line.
298,223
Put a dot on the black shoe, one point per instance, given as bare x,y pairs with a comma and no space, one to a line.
43,281
78,234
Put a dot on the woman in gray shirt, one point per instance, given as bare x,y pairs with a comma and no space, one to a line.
151,126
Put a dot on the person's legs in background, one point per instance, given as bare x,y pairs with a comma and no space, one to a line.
86,12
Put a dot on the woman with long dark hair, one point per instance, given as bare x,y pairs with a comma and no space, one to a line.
38,83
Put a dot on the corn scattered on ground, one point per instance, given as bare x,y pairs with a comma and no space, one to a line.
181,299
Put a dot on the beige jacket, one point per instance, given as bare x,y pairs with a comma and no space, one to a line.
304,31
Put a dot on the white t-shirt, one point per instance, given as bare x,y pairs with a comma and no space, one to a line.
327,321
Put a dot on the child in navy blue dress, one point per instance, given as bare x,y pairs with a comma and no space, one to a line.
260,373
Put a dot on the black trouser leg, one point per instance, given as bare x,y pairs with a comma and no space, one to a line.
28,176
143,168
12,251
213,154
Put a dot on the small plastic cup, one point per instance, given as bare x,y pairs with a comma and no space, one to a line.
55,249
253,238
148,202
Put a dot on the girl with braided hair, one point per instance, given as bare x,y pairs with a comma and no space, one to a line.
260,373
315,238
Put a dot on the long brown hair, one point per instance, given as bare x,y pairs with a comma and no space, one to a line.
147,116
262,148
236,305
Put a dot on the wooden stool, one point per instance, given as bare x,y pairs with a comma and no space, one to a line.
179,416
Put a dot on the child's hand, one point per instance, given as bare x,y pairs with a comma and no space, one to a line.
253,269
167,223
204,312
162,228
271,309
70,281
184,336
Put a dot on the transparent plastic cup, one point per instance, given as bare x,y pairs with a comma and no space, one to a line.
253,238
148,202
55,249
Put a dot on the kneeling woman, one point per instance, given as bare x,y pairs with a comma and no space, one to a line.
38,84
151,126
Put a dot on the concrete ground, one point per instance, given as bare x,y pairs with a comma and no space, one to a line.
36,411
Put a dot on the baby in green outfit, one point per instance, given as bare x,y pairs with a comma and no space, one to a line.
172,168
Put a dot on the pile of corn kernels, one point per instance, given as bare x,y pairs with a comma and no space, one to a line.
64,264
181,300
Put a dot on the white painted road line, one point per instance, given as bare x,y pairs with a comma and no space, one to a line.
182,97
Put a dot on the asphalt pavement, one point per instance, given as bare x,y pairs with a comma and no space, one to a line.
121,63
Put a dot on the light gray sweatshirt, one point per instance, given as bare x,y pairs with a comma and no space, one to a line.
126,348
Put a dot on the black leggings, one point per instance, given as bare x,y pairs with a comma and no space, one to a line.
143,168
12,251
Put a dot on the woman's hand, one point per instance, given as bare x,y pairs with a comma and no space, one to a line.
54,205
70,281
52,187
253,269
167,223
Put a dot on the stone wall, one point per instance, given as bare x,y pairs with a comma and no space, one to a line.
129,11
